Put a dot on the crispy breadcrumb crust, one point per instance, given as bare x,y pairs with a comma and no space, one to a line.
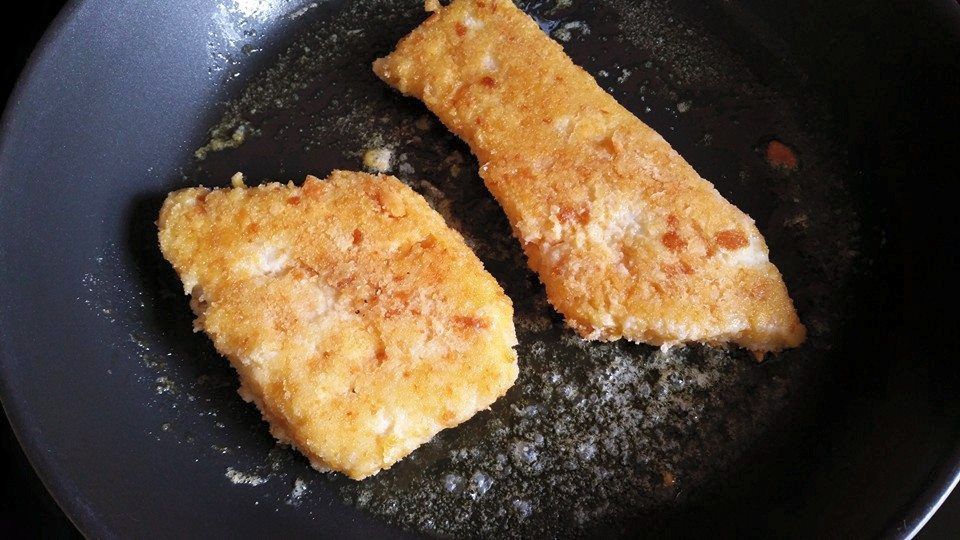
359,323
627,238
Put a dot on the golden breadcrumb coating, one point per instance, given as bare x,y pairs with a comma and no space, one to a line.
359,323
627,238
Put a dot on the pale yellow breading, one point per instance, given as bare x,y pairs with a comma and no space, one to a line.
627,238
359,323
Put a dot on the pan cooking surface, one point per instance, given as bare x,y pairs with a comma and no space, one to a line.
593,434
134,422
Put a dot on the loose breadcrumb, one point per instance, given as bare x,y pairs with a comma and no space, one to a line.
378,159
359,323
781,156
627,238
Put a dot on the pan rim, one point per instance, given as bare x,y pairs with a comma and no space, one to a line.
54,481
942,481
941,485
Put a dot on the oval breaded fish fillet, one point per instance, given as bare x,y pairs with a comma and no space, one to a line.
359,323
627,238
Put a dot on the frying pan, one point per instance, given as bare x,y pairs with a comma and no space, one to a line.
133,423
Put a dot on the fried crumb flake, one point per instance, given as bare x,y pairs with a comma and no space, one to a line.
378,159
628,239
359,323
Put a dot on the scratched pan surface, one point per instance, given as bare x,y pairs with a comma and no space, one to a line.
134,423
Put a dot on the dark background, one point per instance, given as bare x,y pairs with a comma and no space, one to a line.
26,509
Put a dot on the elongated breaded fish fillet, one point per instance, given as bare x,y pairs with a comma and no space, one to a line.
627,238
359,323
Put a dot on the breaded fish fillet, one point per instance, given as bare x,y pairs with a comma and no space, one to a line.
359,323
627,238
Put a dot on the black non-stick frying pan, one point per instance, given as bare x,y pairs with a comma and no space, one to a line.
133,421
